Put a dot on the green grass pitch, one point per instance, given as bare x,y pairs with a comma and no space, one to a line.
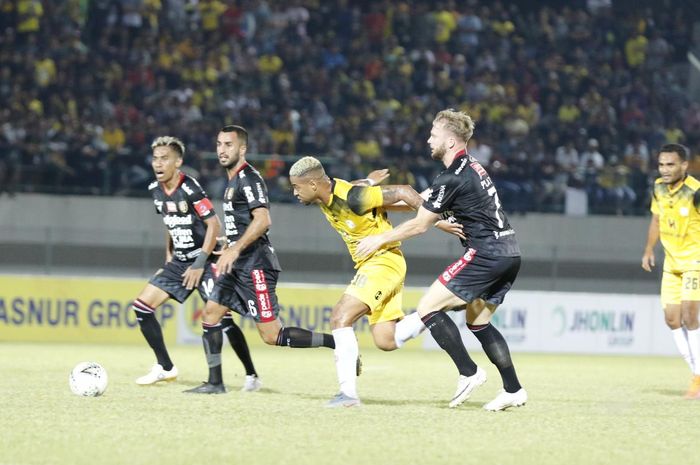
582,410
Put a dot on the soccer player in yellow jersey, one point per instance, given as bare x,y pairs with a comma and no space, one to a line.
356,211
676,220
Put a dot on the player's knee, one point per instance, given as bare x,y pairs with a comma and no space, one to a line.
340,318
387,345
673,321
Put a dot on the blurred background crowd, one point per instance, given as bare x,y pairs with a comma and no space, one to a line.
566,95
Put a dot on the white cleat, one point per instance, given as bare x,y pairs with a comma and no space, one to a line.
158,374
252,384
466,385
506,400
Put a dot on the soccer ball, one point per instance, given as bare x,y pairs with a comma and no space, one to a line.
88,379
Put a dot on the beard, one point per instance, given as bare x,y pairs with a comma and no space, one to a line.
439,153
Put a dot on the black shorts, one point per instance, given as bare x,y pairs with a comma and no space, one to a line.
169,278
479,277
249,292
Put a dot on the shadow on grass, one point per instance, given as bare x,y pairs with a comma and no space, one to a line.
436,403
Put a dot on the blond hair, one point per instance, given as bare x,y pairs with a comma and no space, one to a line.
306,165
169,141
457,122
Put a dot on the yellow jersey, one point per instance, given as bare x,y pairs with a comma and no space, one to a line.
356,212
679,223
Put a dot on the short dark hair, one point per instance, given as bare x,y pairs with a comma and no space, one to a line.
239,130
680,149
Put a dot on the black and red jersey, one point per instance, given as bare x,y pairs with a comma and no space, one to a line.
465,191
245,192
184,210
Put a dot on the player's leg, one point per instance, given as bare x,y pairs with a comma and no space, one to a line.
446,334
233,332
150,298
257,288
690,303
496,349
671,289
212,341
345,312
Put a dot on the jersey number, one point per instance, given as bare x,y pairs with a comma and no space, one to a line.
499,216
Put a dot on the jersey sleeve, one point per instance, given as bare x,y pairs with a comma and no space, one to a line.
654,204
254,190
362,199
442,193
198,198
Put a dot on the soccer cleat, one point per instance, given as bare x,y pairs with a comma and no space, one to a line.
358,366
252,384
157,374
694,389
343,400
207,388
466,385
505,400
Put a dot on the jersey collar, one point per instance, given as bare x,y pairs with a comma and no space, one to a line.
179,183
238,170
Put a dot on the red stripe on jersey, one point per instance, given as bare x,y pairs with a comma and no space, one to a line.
179,183
203,207
452,270
263,296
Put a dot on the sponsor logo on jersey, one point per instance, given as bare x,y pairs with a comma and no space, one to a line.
261,193
187,189
462,165
248,191
684,211
500,234
182,206
153,185
159,205
229,193
170,207
171,221
350,224
203,207
440,196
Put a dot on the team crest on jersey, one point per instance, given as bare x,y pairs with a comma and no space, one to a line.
229,193
350,224
182,206
170,207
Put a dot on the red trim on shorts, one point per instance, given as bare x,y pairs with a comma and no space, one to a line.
454,269
262,296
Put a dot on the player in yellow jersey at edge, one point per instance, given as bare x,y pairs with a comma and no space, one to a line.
676,221
358,209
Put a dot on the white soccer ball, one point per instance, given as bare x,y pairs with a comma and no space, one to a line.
88,379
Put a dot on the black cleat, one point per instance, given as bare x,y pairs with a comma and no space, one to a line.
207,388
358,366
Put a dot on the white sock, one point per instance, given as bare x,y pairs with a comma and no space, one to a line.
346,352
681,340
408,328
693,336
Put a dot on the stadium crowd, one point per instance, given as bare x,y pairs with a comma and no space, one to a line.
567,94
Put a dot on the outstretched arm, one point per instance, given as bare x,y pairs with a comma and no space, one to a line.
372,179
413,227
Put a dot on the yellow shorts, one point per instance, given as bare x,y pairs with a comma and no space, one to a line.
378,283
678,287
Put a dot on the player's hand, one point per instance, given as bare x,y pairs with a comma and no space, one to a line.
451,228
369,245
192,277
378,176
227,259
648,261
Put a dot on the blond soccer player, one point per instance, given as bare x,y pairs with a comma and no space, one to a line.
355,210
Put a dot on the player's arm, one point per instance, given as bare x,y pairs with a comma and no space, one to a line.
258,226
372,179
423,221
414,203
168,246
648,260
194,272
